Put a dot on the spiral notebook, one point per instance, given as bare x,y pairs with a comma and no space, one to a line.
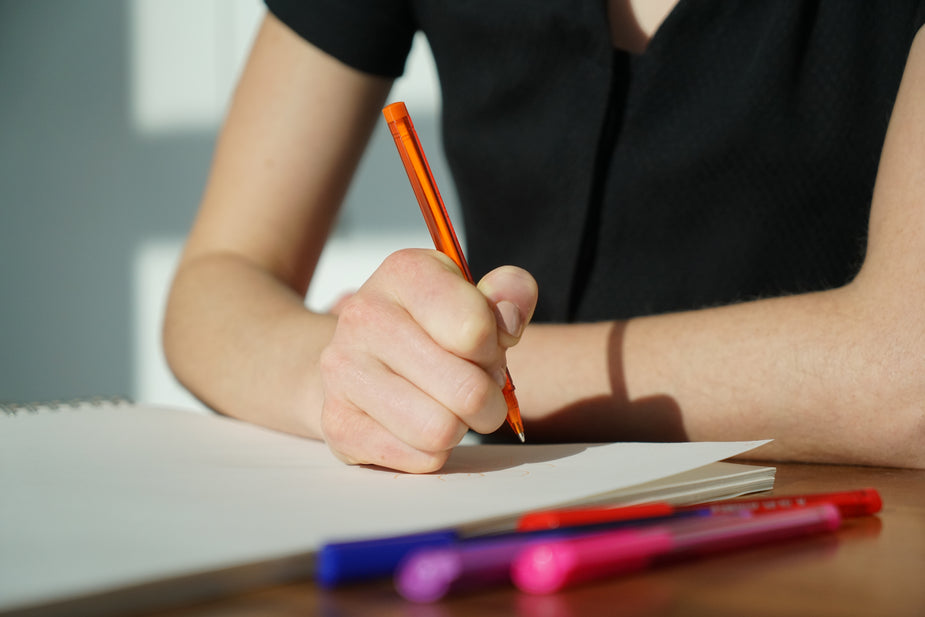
108,507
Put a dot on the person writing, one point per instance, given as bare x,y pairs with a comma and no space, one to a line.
687,220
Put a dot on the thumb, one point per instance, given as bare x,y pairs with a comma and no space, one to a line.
512,292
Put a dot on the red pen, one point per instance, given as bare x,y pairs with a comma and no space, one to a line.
438,221
861,502
849,503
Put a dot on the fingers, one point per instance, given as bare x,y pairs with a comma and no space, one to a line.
357,439
513,293
373,415
417,359
449,309
377,336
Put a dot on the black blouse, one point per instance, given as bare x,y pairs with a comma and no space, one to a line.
734,159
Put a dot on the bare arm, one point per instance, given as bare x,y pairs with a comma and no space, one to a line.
409,363
276,184
836,376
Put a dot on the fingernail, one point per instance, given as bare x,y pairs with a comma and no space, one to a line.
511,320
500,377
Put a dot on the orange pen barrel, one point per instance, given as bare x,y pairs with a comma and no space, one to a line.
424,186
437,219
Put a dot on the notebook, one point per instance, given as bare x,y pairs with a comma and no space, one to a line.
108,507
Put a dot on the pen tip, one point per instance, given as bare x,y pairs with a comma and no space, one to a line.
523,439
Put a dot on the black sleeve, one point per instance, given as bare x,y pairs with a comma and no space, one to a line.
373,36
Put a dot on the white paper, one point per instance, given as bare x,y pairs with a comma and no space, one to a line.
102,498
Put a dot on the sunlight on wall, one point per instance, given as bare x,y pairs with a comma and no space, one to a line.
186,56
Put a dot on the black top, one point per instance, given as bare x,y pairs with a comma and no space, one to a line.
734,159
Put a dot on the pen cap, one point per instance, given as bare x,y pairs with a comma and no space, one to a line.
862,502
395,112
428,575
866,501
550,566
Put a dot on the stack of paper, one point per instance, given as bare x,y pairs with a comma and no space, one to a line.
107,508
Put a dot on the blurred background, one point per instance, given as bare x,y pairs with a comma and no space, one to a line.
109,110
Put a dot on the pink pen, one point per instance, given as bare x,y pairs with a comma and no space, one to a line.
550,566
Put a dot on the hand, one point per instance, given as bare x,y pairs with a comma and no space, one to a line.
418,358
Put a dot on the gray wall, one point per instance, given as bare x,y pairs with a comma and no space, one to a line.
80,189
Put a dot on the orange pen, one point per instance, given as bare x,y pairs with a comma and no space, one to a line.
438,221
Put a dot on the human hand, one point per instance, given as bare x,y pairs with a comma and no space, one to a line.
418,358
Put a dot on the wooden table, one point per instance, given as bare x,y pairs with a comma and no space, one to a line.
872,566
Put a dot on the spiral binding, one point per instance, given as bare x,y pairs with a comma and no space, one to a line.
13,409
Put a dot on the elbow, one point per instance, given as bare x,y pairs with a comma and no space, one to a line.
174,335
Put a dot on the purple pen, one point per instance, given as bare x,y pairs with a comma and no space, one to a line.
430,572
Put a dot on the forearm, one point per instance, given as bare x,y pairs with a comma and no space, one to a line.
814,372
830,376
237,333
836,376
244,343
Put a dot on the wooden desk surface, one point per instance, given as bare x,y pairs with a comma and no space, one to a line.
871,566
